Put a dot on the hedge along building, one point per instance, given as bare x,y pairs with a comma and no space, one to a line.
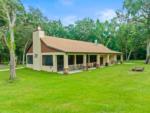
57,54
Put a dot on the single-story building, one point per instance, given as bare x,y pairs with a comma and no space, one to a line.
58,54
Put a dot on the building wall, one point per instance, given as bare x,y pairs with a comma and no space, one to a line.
37,49
54,67
29,65
54,54
46,68
45,48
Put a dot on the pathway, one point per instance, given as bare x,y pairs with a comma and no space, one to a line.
2,70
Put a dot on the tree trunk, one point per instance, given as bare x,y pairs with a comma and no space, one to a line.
0,59
129,55
12,65
148,53
148,40
23,58
126,53
24,52
12,56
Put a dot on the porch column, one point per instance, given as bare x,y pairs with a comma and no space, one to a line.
84,62
115,58
66,68
121,58
107,60
88,58
75,60
104,60
55,63
88,64
97,61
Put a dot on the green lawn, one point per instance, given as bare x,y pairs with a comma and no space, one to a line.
113,89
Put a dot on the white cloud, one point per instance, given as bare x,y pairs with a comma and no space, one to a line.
69,20
66,2
106,14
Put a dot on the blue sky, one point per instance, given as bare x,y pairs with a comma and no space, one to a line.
68,11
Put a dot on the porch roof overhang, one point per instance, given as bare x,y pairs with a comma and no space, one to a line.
74,46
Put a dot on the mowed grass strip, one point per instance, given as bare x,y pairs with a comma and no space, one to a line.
113,89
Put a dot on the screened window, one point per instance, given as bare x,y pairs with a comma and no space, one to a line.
70,59
79,59
47,60
30,59
93,58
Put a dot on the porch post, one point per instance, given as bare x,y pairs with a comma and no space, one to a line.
97,61
55,63
107,60
66,64
88,62
115,58
75,60
88,58
84,62
104,60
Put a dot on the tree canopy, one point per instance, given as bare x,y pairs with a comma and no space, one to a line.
128,32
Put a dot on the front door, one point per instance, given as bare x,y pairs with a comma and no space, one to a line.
60,62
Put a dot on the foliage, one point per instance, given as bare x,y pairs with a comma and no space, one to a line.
128,32
139,11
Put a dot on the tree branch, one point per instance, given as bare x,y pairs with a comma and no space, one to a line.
14,18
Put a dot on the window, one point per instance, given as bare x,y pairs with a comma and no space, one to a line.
47,60
70,59
30,59
92,58
79,59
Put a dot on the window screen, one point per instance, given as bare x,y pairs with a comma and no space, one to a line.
79,59
71,59
30,59
92,58
47,60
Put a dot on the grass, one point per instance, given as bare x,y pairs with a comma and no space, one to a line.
113,89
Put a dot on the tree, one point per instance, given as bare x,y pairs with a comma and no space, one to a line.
55,28
129,38
139,11
9,11
30,20
23,39
105,32
85,30
35,17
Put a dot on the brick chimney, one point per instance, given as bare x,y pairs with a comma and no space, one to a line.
37,57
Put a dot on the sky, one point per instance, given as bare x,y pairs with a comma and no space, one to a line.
69,11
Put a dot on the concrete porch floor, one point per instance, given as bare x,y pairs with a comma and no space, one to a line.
71,72
76,71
